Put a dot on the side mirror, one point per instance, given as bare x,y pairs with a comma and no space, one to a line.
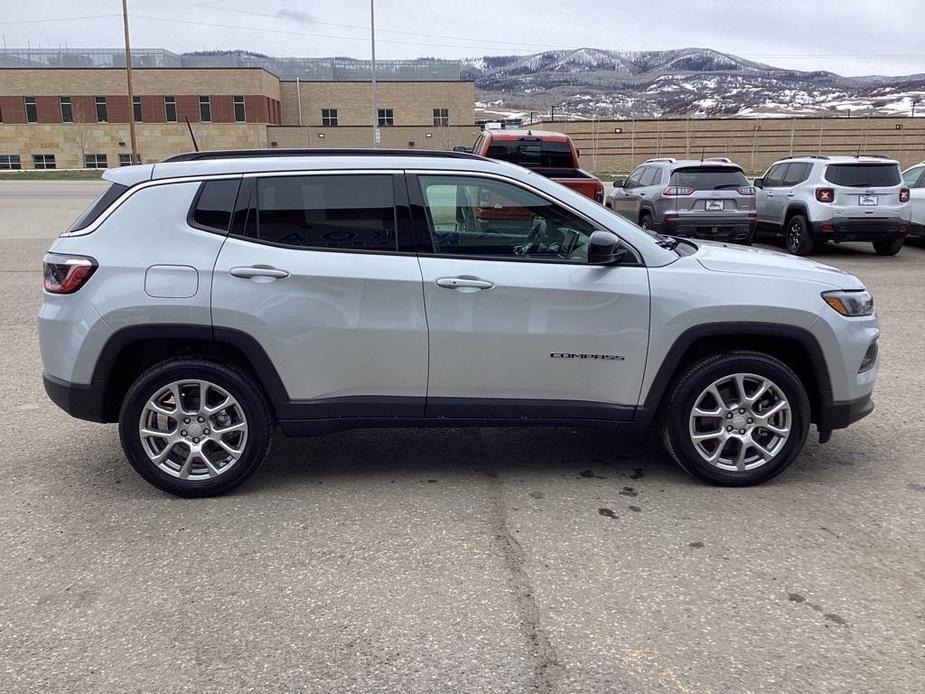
604,249
759,182
618,182
462,148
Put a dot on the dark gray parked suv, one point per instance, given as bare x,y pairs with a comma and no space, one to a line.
707,199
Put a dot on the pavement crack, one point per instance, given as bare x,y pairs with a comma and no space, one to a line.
546,666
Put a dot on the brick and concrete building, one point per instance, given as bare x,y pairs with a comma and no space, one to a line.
79,117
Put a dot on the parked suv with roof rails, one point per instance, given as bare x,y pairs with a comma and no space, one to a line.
816,198
203,301
914,180
707,199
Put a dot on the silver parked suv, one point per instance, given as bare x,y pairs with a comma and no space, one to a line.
817,198
707,199
204,300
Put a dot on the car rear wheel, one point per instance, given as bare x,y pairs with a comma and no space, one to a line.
195,428
888,246
736,419
796,236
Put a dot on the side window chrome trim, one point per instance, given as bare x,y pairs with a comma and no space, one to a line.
142,186
529,189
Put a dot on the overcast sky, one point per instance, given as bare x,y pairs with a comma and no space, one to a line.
851,37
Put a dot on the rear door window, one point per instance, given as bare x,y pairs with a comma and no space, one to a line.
863,175
649,177
797,172
709,178
97,207
336,212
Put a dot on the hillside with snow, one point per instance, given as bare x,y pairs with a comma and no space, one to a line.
695,82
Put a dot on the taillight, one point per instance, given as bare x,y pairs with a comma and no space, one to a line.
825,194
65,274
746,190
678,190
904,195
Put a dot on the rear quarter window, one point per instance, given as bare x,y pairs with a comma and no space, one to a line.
863,175
214,204
97,207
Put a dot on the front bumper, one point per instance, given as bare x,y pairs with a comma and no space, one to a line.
838,415
858,229
83,401
710,228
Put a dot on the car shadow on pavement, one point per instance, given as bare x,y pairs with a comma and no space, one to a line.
458,454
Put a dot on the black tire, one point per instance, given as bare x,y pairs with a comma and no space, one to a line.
689,386
889,246
796,236
645,221
248,394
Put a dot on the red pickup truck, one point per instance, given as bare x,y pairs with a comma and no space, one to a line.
550,154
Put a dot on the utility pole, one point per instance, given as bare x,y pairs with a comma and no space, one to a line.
128,78
372,40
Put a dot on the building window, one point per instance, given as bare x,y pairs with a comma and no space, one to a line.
9,162
125,159
136,109
43,161
205,108
96,161
170,109
386,116
441,117
329,117
32,111
67,113
102,114
239,113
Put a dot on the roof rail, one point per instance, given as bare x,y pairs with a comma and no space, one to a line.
872,156
724,160
806,156
317,152
670,160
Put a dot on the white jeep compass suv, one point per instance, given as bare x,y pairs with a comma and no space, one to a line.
204,300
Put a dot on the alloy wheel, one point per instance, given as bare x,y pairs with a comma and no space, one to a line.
193,429
740,422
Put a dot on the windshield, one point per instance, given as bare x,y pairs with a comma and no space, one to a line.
533,153
863,175
708,177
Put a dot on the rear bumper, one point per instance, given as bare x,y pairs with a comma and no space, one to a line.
916,229
735,229
83,401
860,229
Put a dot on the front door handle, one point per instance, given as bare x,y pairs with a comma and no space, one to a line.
464,283
265,273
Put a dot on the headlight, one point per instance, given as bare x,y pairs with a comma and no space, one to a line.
850,303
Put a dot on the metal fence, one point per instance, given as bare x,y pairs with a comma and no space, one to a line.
311,69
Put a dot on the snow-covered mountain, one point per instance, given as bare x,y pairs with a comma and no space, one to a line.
699,82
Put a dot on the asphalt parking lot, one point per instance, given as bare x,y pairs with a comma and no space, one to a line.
550,560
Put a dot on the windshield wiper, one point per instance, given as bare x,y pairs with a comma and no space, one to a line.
668,242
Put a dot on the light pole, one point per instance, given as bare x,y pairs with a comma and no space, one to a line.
372,41
128,79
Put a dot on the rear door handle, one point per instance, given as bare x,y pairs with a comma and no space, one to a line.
464,283
264,272
789,195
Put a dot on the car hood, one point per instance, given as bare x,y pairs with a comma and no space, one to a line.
746,260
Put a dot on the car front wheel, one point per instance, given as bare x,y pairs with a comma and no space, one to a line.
195,428
736,419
